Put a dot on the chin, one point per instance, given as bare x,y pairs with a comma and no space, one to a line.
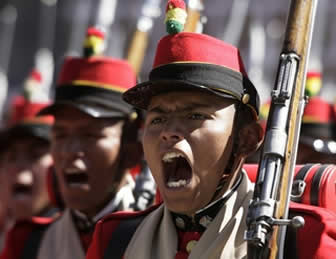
179,207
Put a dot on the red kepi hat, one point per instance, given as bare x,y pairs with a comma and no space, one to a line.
94,84
23,119
196,62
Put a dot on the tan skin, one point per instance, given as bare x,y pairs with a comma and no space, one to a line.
93,147
27,156
200,126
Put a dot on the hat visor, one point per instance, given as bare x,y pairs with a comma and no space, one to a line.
95,111
140,95
20,130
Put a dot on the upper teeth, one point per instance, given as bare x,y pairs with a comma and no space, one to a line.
25,177
72,170
168,157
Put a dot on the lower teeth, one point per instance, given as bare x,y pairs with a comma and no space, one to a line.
176,184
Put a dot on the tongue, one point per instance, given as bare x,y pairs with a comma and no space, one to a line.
180,170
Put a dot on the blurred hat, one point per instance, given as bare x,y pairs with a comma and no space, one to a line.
318,128
23,119
190,61
93,84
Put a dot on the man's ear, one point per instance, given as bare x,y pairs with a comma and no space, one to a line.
131,154
249,139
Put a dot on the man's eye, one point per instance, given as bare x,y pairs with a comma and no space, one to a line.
157,120
197,116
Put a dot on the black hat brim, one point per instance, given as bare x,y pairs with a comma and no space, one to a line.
89,109
140,95
210,78
96,102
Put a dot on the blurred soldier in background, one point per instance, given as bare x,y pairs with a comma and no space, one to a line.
317,143
25,157
94,146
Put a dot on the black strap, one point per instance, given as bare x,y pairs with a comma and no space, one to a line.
315,185
121,236
32,245
291,243
301,175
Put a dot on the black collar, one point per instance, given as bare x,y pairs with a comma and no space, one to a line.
202,218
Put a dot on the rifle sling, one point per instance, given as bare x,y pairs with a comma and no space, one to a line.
32,245
314,193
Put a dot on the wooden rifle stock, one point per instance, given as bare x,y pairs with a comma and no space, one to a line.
268,211
151,9
195,8
137,50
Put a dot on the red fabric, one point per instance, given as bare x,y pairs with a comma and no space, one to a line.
319,111
311,74
196,47
98,70
35,75
18,235
105,228
86,240
92,31
25,111
317,239
184,238
175,4
135,171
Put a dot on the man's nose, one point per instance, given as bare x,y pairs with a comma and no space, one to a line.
173,131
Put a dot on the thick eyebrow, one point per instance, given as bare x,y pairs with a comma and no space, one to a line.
191,107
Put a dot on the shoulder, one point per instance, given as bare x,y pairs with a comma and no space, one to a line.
20,233
317,238
106,227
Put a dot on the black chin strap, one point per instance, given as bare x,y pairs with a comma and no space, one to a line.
231,160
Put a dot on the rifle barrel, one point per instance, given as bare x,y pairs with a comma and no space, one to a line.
267,216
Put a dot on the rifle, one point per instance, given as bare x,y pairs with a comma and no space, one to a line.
44,58
136,52
8,18
236,22
268,211
194,19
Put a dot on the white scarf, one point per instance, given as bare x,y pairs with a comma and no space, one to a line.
156,236
61,240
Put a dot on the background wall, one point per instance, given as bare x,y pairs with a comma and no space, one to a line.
64,26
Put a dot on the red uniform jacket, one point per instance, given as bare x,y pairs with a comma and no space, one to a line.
19,235
24,239
316,240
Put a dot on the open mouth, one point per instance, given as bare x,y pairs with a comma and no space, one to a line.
76,178
22,189
177,170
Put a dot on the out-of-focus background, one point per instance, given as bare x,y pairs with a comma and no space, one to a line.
58,26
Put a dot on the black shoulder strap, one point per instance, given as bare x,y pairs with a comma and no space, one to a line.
121,236
291,245
32,245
